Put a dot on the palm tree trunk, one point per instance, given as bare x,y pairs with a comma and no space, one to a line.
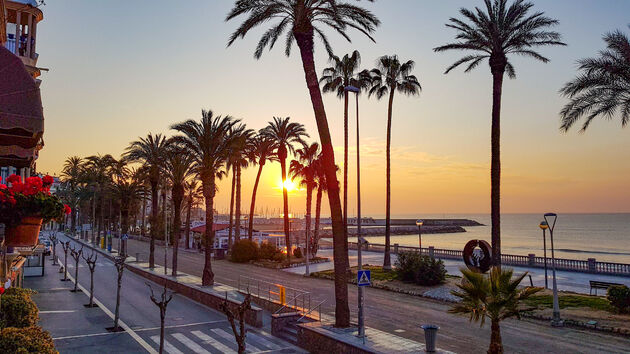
342,310
251,208
495,168
309,202
153,222
345,175
318,211
387,262
237,231
208,193
144,216
231,224
285,205
178,196
188,223
124,225
496,345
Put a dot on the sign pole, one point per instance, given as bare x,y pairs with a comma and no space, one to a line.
360,291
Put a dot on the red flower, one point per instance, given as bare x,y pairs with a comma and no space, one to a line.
12,200
3,186
48,180
66,209
14,179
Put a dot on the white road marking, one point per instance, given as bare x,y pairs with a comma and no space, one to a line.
189,343
263,340
122,324
168,347
399,330
58,311
179,326
225,335
213,342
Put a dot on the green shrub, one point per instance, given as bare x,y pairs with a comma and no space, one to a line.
17,309
279,257
422,270
297,252
26,340
268,251
244,251
619,297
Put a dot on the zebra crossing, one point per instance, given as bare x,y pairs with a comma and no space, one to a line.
219,340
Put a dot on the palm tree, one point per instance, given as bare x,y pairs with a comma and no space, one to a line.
504,30
150,152
259,151
304,167
237,160
299,19
284,135
207,141
335,79
391,76
99,167
127,191
603,87
322,186
71,174
177,168
496,296
193,195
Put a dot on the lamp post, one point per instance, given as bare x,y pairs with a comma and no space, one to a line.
419,223
544,226
556,321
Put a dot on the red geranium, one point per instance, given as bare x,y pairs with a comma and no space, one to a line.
3,186
14,179
48,180
31,198
66,209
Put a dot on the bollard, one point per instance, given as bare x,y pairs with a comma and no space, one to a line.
430,337
138,257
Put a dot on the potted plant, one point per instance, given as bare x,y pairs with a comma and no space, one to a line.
24,206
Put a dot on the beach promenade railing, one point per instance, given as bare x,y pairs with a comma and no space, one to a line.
590,265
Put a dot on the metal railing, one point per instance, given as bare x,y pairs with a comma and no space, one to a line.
274,292
295,301
576,265
319,312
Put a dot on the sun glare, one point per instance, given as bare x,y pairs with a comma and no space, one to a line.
289,185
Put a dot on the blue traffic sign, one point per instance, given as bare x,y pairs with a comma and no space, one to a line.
125,236
364,278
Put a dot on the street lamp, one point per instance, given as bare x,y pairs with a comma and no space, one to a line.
556,321
544,226
420,222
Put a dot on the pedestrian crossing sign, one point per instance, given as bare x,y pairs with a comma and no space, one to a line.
364,278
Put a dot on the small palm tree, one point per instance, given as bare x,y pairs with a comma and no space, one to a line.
150,152
259,151
193,195
285,135
177,168
305,168
500,31
71,175
237,160
302,21
127,191
99,167
496,296
207,141
603,87
391,76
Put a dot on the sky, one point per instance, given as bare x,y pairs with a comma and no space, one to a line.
121,69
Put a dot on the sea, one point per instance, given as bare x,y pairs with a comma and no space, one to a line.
605,237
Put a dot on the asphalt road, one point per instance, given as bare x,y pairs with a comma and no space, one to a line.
192,328
403,314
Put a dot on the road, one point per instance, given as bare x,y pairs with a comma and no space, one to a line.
403,314
192,328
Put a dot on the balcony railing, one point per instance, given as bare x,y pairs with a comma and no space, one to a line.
10,45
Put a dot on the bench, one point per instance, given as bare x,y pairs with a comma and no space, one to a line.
600,285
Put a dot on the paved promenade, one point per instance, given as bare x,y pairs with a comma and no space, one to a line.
402,314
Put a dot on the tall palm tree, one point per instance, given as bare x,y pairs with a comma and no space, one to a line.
322,187
391,76
304,168
335,79
71,174
603,87
177,168
285,135
207,141
150,151
496,296
259,151
500,31
99,167
300,20
237,160
193,195
127,191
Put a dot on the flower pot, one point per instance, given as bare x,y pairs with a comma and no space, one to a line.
24,234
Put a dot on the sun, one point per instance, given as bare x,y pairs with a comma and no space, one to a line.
289,185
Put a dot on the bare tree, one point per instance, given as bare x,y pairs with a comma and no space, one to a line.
76,254
119,262
162,304
54,240
91,262
241,333
66,247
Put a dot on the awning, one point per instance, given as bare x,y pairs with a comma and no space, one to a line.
215,227
21,113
